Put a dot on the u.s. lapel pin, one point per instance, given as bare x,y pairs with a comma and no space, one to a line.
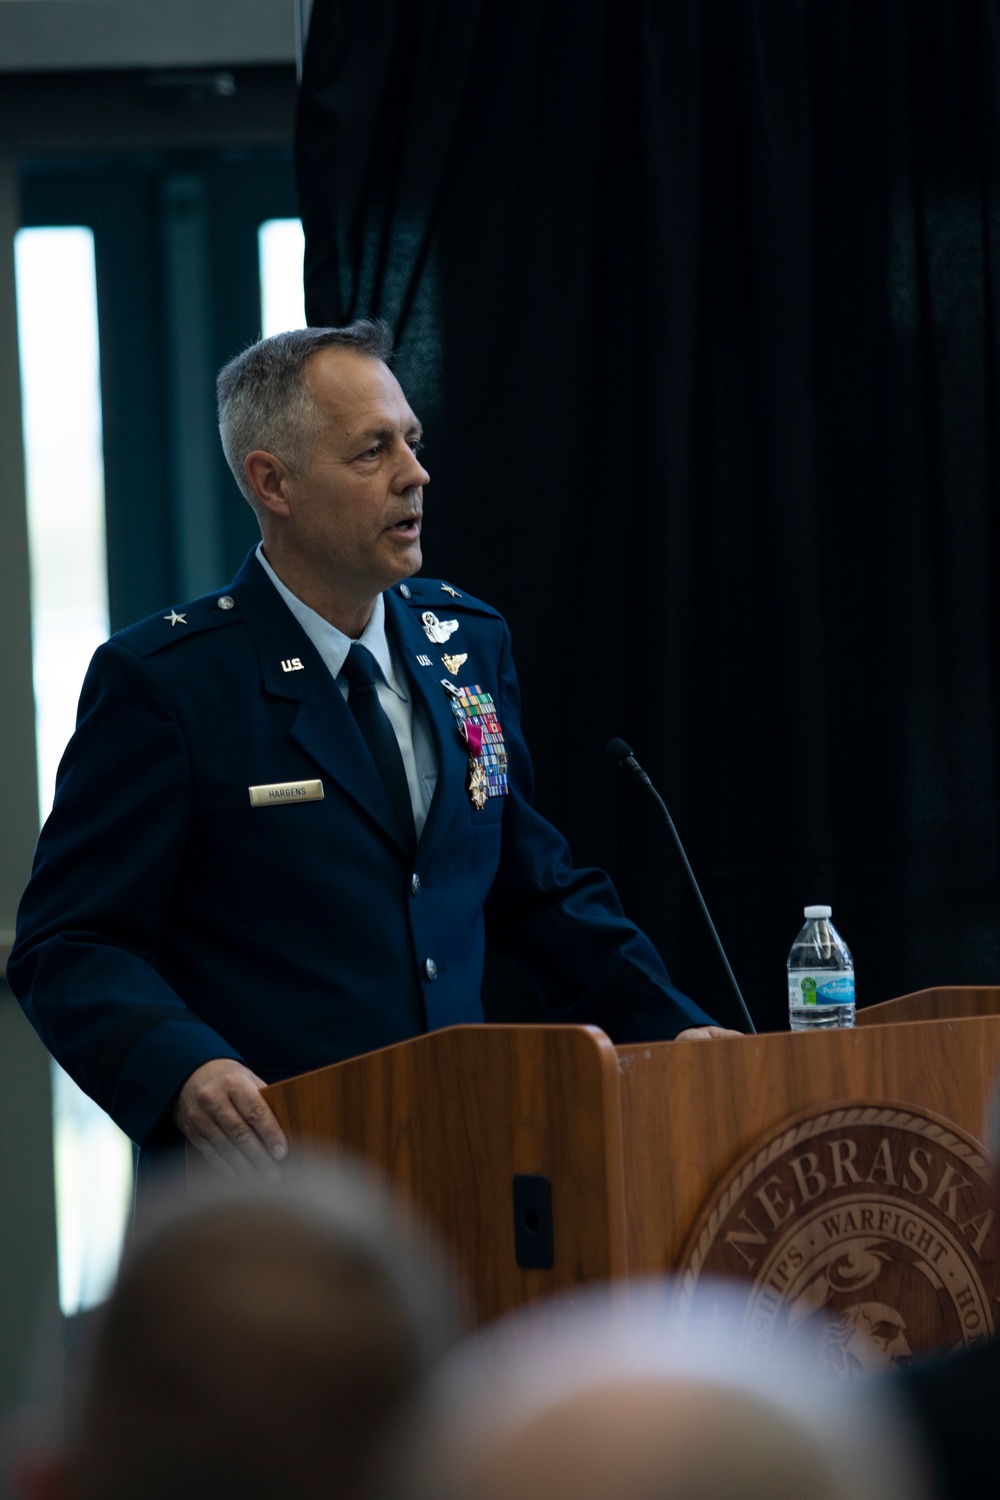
437,630
454,662
447,589
424,661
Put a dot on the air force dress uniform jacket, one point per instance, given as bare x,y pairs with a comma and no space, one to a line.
169,920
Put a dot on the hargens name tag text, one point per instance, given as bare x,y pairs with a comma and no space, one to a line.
286,791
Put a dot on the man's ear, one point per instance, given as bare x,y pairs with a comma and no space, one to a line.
41,1474
267,476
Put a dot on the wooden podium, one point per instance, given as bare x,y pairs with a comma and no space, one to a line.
842,1168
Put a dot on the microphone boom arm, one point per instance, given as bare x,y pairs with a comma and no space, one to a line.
622,755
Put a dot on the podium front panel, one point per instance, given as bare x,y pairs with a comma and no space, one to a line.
483,1128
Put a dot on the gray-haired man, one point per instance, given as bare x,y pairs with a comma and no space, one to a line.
295,811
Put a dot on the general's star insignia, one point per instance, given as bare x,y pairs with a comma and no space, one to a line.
454,662
437,630
449,590
175,618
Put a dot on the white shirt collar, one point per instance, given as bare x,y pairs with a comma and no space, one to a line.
331,643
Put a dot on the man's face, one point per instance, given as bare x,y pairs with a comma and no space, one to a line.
355,514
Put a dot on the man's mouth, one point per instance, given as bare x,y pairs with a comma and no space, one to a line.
408,526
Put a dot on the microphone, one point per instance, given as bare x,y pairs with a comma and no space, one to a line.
622,755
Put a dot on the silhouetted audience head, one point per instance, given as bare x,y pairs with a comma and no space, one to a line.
259,1341
606,1401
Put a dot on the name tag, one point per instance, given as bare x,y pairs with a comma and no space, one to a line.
286,791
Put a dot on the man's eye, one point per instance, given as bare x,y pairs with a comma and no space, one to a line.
416,446
372,452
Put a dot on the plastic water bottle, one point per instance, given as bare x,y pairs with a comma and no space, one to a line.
820,975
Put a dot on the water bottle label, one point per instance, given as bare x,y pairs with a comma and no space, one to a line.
825,987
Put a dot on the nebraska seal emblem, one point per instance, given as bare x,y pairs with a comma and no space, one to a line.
880,1219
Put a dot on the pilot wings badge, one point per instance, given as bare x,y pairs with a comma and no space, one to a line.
437,630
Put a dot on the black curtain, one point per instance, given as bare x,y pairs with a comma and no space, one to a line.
698,305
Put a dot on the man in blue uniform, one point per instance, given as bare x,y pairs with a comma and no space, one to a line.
294,813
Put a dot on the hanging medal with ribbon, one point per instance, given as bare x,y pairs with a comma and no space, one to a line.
477,723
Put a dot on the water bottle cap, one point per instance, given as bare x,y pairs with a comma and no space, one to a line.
817,911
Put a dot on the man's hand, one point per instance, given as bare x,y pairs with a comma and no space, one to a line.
221,1112
702,1033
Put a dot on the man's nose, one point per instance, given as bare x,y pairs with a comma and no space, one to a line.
412,473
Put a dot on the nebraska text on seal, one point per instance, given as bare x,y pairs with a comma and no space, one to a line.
864,1234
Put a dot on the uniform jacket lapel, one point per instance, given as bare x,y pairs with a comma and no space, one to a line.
323,726
409,642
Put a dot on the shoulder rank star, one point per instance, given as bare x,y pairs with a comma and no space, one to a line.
454,662
175,618
437,630
447,589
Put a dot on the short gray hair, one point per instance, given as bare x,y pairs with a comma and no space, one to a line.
265,403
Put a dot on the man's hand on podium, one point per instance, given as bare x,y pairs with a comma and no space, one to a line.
222,1114
701,1033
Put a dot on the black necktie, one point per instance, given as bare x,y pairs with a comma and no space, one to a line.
380,737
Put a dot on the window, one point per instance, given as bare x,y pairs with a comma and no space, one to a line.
60,378
280,245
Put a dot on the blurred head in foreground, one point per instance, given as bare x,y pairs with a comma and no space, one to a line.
606,1401
259,1341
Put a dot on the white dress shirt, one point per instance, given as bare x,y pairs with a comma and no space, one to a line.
408,721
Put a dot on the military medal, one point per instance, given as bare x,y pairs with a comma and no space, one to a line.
454,662
477,785
477,723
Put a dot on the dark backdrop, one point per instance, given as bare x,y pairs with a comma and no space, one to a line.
698,305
